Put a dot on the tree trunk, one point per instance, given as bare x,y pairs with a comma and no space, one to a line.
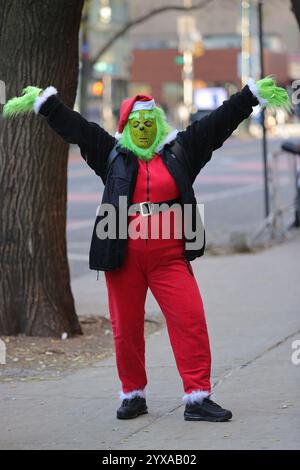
38,46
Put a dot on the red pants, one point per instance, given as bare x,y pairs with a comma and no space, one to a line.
159,265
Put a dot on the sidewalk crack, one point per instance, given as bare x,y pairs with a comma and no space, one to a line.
255,358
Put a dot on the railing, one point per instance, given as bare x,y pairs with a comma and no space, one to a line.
284,193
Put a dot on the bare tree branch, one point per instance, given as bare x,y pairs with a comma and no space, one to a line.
143,18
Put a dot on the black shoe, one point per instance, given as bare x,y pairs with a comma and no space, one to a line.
132,408
207,410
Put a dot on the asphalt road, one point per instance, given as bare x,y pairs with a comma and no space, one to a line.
230,187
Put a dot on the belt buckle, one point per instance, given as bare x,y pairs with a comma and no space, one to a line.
149,208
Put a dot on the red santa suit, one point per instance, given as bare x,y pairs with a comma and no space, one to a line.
158,264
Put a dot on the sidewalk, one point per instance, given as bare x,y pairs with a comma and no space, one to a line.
252,306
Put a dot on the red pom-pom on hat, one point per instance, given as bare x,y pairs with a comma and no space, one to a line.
130,105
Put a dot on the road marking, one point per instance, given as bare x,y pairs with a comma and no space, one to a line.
210,197
85,197
78,257
79,224
79,172
283,165
75,245
229,178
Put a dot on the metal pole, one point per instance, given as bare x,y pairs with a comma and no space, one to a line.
264,138
188,80
246,42
188,73
85,61
107,114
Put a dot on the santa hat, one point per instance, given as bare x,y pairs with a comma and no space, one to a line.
129,106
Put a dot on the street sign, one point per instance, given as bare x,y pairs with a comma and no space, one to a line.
106,68
179,60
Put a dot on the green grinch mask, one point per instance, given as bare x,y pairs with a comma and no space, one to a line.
144,131
143,128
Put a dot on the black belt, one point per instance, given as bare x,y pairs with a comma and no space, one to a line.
147,208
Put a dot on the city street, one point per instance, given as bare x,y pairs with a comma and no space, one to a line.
230,186
209,337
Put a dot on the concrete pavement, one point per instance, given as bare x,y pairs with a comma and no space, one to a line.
252,306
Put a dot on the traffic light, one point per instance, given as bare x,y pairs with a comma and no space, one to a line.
97,88
198,49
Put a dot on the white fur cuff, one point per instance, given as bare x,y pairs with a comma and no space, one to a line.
132,394
171,136
196,395
43,98
255,91
118,135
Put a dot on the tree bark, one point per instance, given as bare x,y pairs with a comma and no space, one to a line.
38,46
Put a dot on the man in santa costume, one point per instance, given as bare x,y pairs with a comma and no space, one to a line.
154,168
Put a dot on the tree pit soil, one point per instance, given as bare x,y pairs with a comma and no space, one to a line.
31,358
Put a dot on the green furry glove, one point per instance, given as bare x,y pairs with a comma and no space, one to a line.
269,94
22,104
31,100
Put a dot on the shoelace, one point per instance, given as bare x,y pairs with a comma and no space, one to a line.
211,403
206,401
127,400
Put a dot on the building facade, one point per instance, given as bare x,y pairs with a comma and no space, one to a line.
108,78
156,67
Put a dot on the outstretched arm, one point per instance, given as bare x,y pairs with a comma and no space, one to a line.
94,142
202,137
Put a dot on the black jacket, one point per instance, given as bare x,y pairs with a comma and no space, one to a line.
198,142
